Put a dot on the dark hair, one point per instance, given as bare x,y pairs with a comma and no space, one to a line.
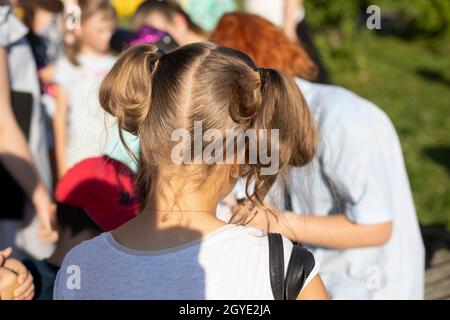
75,219
53,6
168,8
30,6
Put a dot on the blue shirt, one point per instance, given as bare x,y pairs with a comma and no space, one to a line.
359,171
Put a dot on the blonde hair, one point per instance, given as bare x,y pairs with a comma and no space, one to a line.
153,95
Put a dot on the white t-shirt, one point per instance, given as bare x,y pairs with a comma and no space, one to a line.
229,263
88,125
359,170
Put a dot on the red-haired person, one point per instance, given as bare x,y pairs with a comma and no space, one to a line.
290,16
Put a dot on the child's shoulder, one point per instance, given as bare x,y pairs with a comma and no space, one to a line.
86,250
255,238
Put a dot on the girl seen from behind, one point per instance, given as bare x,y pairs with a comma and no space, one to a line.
176,246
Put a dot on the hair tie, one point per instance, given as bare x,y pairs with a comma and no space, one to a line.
262,76
159,54
151,61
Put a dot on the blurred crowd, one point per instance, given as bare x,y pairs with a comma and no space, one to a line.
67,167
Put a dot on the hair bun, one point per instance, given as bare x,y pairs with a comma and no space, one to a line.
126,90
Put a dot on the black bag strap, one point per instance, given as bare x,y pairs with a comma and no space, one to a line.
276,265
301,263
300,266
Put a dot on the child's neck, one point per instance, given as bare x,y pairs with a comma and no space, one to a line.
173,217
189,212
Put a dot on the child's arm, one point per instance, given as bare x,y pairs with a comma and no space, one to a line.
60,130
47,74
16,157
13,145
315,290
335,231
357,160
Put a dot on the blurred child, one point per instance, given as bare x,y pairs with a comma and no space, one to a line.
170,17
82,128
96,195
356,207
44,20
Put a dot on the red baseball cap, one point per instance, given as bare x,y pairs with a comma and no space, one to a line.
104,188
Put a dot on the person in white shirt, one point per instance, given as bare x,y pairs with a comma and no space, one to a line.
353,205
82,128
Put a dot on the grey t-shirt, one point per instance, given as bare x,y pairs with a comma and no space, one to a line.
229,263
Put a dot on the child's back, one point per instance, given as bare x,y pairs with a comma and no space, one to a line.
229,263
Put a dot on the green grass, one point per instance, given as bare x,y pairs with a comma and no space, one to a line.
411,83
